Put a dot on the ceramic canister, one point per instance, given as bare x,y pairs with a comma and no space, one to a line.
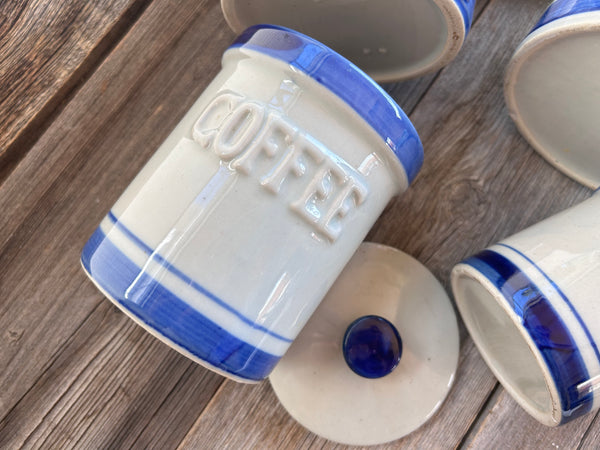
552,88
389,39
531,305
231,235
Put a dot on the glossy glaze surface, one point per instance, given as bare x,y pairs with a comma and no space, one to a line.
346,81
256,199
372,347
537,292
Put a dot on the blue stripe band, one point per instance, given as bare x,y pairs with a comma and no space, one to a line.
187,280
164,312
544,325
346,81
564,8
563,296
467,8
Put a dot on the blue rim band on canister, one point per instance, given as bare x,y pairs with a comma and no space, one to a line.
564,8
345,80
467,9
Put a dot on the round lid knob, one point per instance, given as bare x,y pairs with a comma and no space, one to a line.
372,347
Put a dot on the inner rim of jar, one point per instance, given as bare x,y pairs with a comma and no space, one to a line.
388,40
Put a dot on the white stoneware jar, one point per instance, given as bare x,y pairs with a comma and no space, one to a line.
531,304
389,39
233,232
552,88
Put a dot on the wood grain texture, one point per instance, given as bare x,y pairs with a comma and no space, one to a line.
53,200
78,374
508,426
46,48
591,439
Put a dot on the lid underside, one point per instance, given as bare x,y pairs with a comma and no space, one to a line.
390,40
553,91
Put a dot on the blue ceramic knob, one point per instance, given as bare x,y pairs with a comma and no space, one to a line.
372,347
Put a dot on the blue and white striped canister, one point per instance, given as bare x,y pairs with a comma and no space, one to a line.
230,236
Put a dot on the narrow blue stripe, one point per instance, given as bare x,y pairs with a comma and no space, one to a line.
346,81
563,296
186,279
544,325
163,311
467,8
564,8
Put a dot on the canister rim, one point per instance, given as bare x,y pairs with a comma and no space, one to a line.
347,82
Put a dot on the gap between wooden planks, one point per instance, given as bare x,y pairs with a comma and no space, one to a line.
47,49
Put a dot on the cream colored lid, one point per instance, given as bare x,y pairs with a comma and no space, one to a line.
318,388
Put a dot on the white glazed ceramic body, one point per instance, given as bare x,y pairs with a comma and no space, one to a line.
552,88
531,304
230,236
389,39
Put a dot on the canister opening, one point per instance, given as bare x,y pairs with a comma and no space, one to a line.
388,40
507,349
553,94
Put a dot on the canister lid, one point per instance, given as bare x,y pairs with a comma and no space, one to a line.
347,82
552,90
390,40
378,356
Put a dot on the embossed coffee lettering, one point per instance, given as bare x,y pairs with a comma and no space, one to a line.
239,130
243,132
274,139
208,125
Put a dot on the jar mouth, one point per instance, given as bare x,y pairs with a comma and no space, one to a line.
504,348
525,342
347,82
391,41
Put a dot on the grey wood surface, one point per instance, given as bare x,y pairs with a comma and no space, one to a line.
79,121
48,49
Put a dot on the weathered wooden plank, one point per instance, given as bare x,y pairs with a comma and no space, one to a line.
52,201
507,425
109,370
46,48
173,419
